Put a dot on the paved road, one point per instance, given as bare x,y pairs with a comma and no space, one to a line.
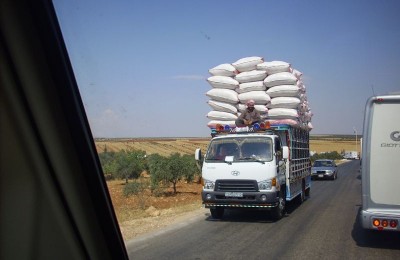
325,226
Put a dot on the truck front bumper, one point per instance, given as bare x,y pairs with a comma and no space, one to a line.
213,199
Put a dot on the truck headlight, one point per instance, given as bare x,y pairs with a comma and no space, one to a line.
265,185
208,185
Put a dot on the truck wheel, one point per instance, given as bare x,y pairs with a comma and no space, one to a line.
279,211
308,192
217,213
302,196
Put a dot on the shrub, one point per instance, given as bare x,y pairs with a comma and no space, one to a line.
329,155
133,188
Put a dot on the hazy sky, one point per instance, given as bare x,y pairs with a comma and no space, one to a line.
142,66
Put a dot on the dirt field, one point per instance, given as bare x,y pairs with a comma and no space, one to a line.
166,146
138,215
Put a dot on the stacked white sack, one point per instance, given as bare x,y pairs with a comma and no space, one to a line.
276,88
288,94
251,84
223,97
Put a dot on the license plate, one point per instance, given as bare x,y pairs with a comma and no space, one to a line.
320,176
234,194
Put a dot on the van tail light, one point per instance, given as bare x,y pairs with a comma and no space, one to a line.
382,224
385,223
393,223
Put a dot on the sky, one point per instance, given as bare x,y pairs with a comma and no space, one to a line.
142,66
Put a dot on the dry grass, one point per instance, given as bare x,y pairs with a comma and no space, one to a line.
166,147
333,145
161,146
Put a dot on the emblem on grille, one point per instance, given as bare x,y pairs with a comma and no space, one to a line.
235,173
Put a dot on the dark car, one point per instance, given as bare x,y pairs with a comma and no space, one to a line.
324,169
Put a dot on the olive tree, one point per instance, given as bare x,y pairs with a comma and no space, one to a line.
192,170
108,163
130,164
155,164
171,169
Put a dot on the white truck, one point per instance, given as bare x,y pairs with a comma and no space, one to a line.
351,155
262,167
380,166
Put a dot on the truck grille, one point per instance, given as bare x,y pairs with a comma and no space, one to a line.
236,185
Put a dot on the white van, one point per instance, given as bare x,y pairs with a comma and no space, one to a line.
381,164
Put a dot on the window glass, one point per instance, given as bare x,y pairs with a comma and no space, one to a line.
243,149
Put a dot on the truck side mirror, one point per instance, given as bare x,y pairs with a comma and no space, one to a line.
197,155
285,154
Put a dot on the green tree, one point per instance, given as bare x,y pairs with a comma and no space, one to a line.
171,169
130,164
108,163
176,169
156,164
192,170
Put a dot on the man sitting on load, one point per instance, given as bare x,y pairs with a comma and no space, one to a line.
249,116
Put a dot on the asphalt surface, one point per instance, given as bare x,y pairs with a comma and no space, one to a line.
325,226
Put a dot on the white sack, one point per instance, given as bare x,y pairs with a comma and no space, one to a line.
301,86
225,69
285,102
284,91
251,86
247,64
273,67
281,78
223,82
223,116
282,113
213,123
223,95
303,107
292,122
296,73
260,108
303,97
222,106
259,97
250,76
306,116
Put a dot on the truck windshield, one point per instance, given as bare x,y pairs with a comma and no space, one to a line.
241,148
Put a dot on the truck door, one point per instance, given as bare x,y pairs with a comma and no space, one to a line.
278,157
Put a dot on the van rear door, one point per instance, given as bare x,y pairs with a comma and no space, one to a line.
383,147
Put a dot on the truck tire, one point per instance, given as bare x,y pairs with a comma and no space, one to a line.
279,211
308,192
217,213
302,196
